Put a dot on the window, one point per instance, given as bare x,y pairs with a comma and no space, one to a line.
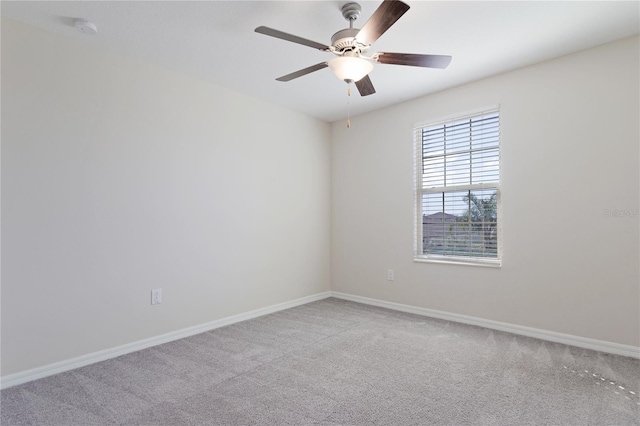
458,189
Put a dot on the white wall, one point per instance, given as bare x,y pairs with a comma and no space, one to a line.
569,151
119,177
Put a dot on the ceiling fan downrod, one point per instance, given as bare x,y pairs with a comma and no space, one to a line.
344,39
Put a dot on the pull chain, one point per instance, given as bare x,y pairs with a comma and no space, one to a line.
348,104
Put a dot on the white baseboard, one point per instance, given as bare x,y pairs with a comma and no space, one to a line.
81,361
552,336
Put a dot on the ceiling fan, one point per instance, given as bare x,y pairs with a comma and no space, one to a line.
350,45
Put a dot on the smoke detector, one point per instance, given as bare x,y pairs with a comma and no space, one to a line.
85,27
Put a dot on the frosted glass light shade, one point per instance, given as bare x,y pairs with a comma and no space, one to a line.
350,67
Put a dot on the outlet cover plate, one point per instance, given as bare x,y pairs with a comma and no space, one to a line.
156,296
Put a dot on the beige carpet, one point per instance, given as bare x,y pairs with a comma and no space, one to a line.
335,362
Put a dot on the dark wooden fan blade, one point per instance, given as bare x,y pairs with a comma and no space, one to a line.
381,20
302,72
414,60
290,37
365,87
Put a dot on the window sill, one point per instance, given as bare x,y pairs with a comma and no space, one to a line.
497,263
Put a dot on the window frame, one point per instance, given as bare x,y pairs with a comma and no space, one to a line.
419,190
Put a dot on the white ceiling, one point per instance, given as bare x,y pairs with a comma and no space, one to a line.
215,41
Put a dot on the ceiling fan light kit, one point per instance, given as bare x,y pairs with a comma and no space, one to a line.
350,68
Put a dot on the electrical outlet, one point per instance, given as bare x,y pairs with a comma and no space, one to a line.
156,296
390,275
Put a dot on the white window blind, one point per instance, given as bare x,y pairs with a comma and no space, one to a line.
457,189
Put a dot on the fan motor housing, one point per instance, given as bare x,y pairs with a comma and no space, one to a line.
343,39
